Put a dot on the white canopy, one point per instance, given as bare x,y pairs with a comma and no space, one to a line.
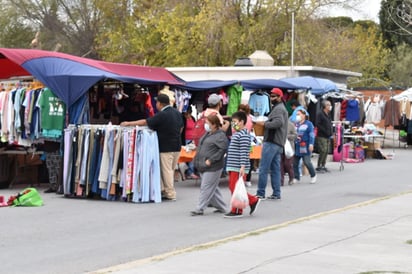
407,94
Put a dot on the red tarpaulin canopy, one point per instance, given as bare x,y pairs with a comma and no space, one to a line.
71,76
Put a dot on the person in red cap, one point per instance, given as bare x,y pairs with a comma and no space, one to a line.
273,142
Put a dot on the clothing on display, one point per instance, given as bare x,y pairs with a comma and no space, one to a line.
28,115
112,163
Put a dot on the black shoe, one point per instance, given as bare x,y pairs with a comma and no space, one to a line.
219,211
324,169
196,212
167,199
50,190
320,169
233,215
273,197
254,207
262,198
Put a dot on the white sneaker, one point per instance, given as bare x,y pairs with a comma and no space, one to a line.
313,179
295,181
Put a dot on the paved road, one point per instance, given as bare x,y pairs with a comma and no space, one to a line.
77,236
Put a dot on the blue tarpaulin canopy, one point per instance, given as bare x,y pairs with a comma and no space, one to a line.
207,85
253,84
256,84
317,86
70,77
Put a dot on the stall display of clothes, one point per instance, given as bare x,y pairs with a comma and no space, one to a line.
259,103
27,115
111,162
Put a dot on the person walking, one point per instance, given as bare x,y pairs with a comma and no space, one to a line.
324,125
238,163
168,124
304,145
286,164
209,161
249,126
273,141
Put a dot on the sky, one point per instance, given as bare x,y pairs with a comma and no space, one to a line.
366,10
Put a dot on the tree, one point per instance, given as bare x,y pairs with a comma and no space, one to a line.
71,23
401,61
14,33
396,22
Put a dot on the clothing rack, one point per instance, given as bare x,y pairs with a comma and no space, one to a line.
92,157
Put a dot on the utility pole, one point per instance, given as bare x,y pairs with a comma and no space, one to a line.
292,50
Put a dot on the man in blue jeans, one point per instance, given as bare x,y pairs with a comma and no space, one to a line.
273,142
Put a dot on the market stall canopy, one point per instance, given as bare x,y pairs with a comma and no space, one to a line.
406,94
71,76
256,84
207,85
317,86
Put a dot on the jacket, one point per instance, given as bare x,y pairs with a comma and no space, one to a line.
212,147
276,126
306,137
324,125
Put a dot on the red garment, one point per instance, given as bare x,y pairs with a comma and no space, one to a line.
233,177
343,107
189,131
130,161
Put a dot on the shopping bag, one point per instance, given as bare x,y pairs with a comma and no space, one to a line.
288,150
28,197
239,197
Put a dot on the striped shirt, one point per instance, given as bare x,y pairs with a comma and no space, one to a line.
239,151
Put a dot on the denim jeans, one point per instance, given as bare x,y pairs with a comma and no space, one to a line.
270,162
307,162
190,165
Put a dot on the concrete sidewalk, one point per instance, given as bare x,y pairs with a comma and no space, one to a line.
372,237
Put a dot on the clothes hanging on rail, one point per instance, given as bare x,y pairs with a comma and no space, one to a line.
29,115
112,163
259,102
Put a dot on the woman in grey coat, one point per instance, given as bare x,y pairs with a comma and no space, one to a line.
209,161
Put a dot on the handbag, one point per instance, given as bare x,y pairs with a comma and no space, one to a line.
239,198
288,150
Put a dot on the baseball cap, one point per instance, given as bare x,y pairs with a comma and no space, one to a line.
277,91
163,98
214,99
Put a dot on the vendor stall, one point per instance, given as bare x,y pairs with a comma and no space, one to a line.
69,80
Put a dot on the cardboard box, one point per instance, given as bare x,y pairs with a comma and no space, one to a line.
372,146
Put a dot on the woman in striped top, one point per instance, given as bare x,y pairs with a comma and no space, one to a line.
238,163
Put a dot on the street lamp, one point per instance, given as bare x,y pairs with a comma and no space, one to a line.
292,46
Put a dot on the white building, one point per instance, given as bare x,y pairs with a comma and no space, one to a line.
261,72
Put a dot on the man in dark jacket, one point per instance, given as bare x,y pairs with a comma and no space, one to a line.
324,125
168,124
273,142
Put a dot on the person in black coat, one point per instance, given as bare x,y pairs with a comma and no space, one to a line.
324,125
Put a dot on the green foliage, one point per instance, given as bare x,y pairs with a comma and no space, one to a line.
13,33
337,22
197,32
401,61
394,28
